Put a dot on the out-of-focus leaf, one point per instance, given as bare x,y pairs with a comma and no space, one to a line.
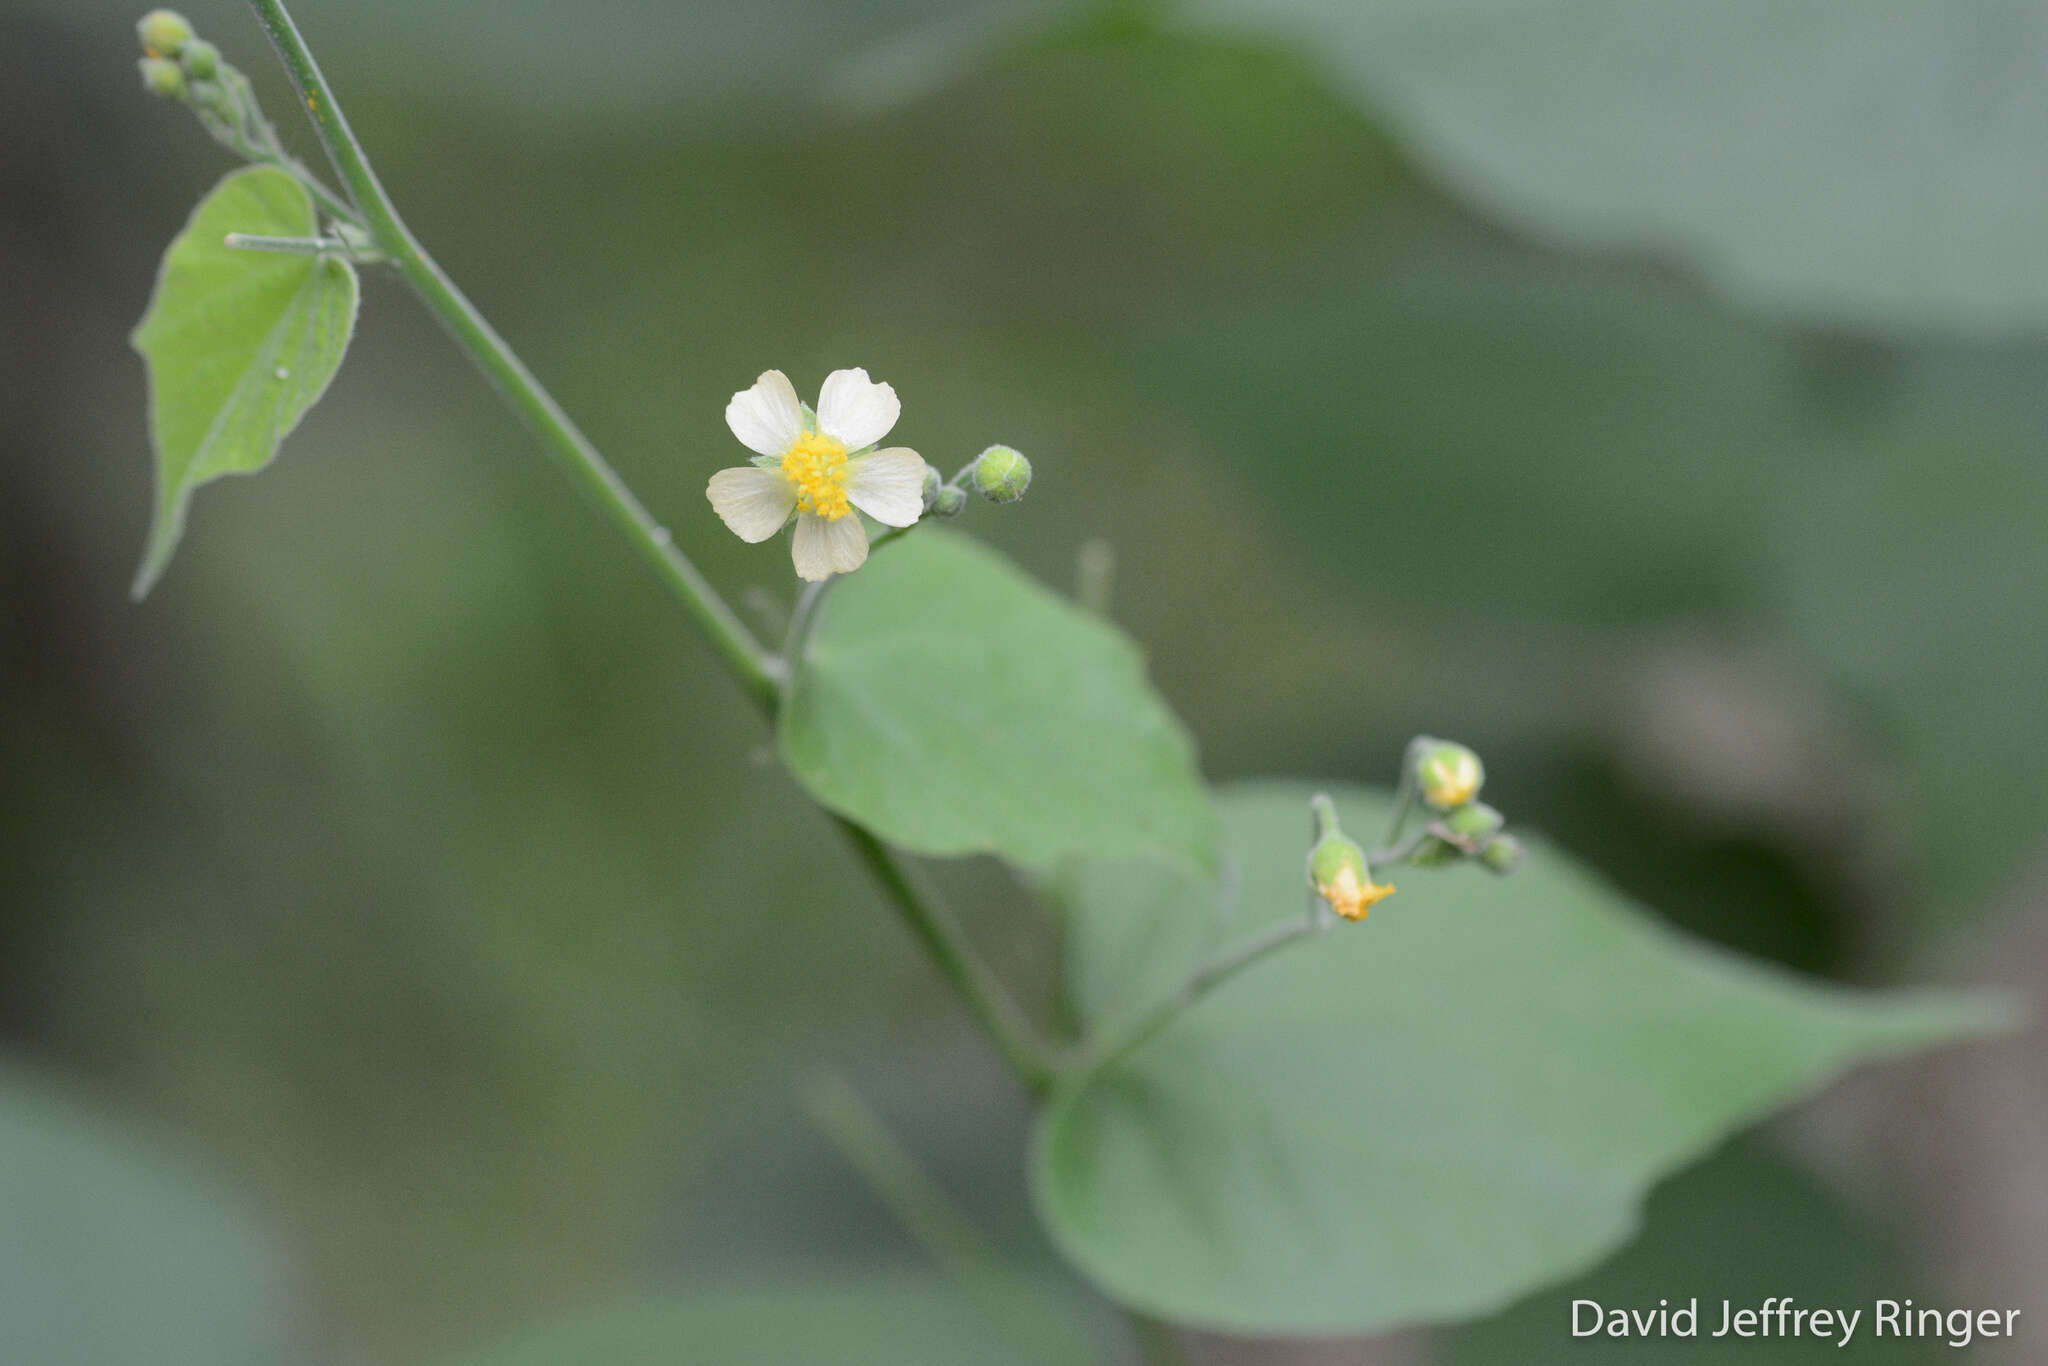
1464,427
239,344
900,1321
1879,164
955,707
1741,1228
1424,1116
114,1255
595,64
1918,576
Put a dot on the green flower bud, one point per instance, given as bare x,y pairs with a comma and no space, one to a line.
163,32
1337,869
209,96
1448,773
201,58
1503,855
950,501
1475,822
932,485
1435,853
1001,474
162,77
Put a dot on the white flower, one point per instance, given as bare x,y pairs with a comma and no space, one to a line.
807,470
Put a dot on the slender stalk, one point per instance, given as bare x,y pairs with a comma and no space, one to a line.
1404,797
956,960
301,246
1120,1043
760,673
749,663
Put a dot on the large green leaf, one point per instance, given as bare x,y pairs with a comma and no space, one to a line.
114,1255
1459,425
1880,163
898,1320
1918,577
1740,1228
1419,1117
955,707
239,344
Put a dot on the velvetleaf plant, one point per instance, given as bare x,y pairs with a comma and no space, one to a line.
1227,1135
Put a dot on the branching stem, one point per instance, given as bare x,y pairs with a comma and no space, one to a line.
761,674
741,652
1118,1044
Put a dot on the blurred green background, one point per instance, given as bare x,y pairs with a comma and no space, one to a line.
407,869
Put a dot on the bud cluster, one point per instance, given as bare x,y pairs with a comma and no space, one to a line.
1448,776
999,474
178,64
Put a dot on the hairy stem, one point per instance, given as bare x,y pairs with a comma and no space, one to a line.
741,652
757,671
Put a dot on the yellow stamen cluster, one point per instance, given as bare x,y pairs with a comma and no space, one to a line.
816,465
1351,896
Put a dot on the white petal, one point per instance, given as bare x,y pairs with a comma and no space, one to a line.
753,502
766,418
821,548
888,485
855,409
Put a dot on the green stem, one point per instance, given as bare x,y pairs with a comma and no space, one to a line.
742,653
1120,1043
956,960
1404,796
757,671
300,246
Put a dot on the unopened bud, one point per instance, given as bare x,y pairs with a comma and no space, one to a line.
1448,773
1435,852
1503,855
932,485
950,501
1001,475
163,32
1337,869
161,77
1474,822
201,58
211,97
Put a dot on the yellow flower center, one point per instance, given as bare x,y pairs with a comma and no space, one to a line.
816,465
1350,896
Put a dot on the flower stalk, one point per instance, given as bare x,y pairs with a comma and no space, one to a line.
736,645
758,672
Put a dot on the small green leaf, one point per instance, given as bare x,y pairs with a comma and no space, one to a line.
1422,1116
900,1320
239,344
953,706
112,1254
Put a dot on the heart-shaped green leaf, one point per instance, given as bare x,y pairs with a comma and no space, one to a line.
953,706
239,344
1422,1116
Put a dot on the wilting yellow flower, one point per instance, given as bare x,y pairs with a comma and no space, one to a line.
1351,892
